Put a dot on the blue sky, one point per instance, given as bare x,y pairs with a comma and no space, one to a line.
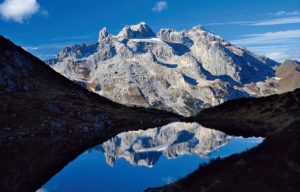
43,27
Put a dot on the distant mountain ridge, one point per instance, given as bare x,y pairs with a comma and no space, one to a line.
180,71
289,75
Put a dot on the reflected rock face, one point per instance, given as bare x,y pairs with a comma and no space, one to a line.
145,147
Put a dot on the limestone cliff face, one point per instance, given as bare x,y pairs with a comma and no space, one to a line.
180,71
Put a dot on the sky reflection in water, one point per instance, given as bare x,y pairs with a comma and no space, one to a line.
153,157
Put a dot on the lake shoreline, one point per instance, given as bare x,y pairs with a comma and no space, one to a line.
273,166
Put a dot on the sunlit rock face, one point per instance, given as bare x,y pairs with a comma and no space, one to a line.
145,147
179,71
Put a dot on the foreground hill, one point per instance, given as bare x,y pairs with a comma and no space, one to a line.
272,166
47,120
253,116
35,101
180,71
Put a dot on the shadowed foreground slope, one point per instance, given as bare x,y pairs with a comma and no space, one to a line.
46,120
36,100
272,166
253,116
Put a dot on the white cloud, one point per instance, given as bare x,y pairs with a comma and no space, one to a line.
278,53
285,18
280,45
18,10
48,46
54,45
160,6
232,23
30,48
277,21
282,55
288,13
279,56
73,38
289,36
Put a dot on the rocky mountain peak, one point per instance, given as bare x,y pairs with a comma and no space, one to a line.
170,35
103,34
141,30
180,71
199,27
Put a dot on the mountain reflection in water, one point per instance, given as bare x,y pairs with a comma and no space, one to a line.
135,160
145,147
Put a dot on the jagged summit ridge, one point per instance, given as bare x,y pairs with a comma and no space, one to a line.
103,34
141,30
180,71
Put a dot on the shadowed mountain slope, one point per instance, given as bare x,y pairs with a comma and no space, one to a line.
272,166
39,107
253,116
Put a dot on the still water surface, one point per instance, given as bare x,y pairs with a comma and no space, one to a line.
136,160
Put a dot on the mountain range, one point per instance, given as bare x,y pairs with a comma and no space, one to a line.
179,71
145,147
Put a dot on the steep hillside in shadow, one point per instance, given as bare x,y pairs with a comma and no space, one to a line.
272,166
253,116
46,120
35,100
